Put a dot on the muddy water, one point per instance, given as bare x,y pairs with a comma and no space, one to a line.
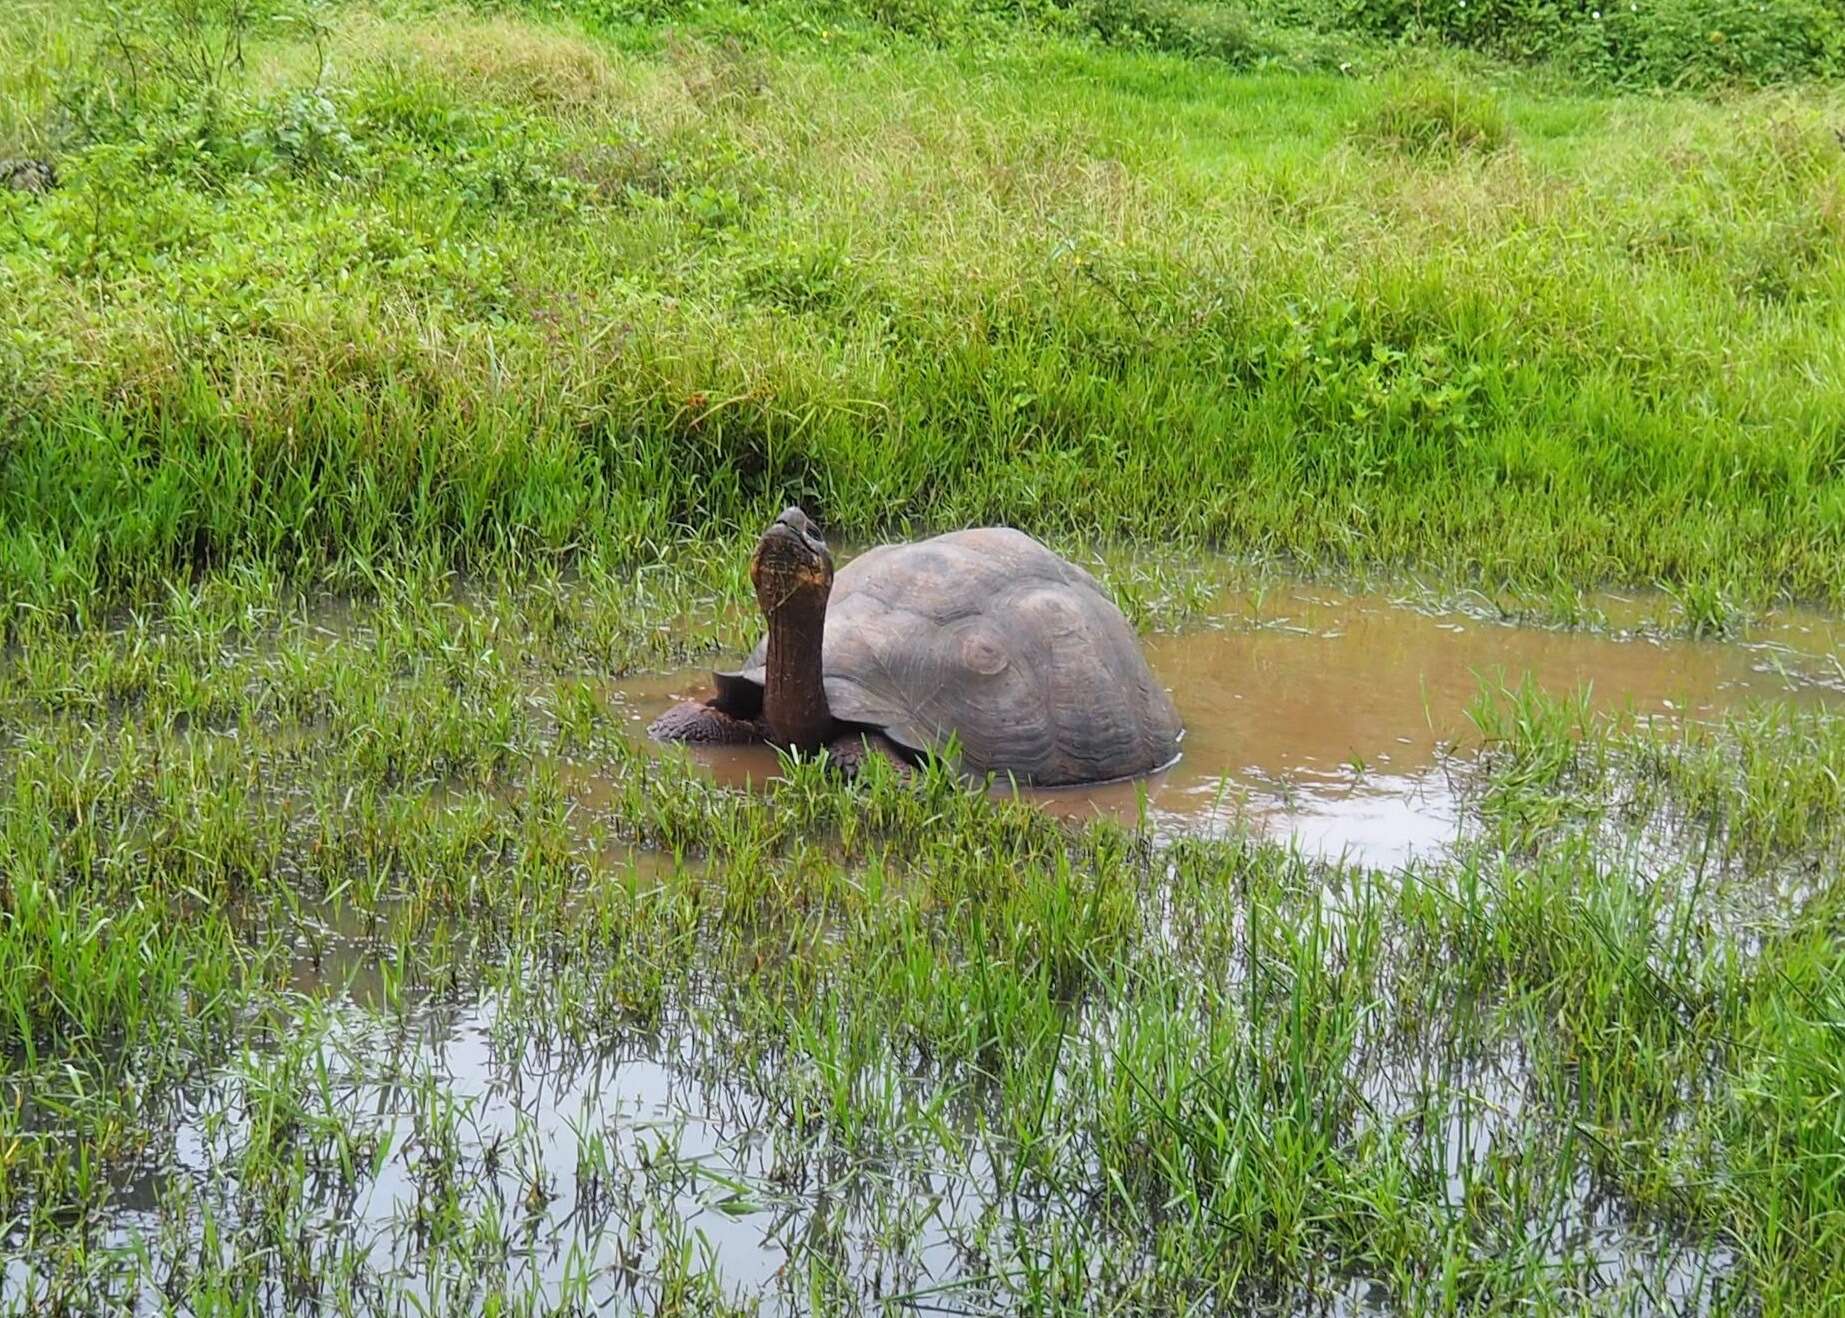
1332,718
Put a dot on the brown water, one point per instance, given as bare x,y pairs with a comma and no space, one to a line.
1333,718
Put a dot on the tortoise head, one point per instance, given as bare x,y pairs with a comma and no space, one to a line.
792,566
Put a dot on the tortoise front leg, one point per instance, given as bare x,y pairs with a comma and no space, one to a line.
705,725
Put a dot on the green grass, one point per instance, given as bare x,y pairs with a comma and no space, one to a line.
502,292
367,406
1422,115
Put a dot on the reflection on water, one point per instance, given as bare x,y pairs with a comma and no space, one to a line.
638,1156
1328,717
635,1157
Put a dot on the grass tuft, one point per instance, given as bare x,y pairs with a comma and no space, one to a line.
1428,115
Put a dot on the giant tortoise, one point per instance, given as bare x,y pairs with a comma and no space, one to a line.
982,636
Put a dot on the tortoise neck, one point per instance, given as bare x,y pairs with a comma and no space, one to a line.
794,687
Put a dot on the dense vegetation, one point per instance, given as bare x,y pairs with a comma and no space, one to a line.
378,378
386,286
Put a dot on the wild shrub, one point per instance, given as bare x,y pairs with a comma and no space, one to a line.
1705,41
308,131
151,57
1212,31
1203,29
1625,42
1637,43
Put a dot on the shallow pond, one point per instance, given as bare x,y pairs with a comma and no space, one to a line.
1332,717
604,1167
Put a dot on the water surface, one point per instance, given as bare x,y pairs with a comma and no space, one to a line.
1333,717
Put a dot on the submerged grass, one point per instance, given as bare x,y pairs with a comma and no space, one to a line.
326,977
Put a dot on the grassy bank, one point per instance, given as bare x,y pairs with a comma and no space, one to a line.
488,289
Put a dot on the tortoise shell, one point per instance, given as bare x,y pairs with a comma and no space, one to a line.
987,636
